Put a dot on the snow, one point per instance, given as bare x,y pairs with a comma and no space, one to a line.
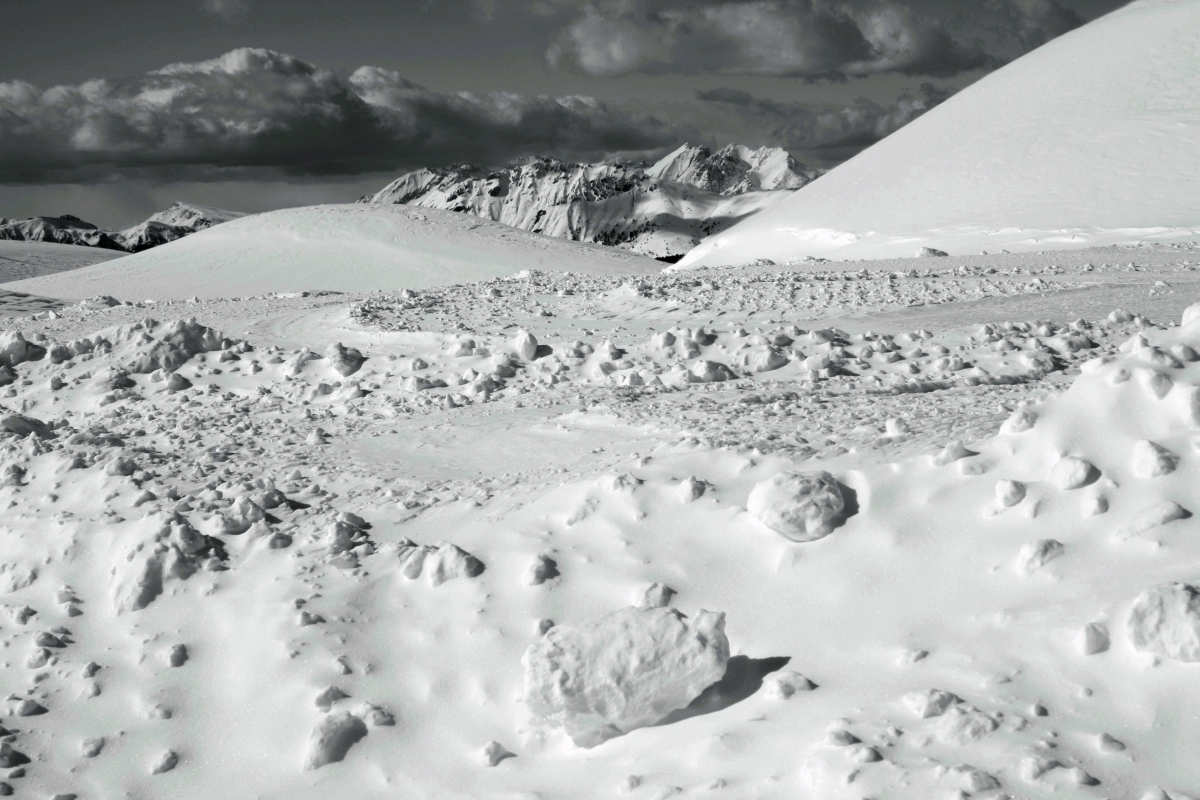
313,545
1166,620
343,248
660,211
613,674
802,506
1051,151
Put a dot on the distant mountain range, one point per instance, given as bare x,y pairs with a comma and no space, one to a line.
176,222
662,210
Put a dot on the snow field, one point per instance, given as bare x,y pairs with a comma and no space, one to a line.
285,558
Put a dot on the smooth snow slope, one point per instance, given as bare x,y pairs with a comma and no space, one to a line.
20,260
349,248
1091,139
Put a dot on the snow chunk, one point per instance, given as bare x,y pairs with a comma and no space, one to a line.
525,345
345,360
710,372
438,564
1153,517
624,670
493,753
929,703
1009,493
22,426
332,739
1165,620
782,685
1072,472
1035,555
14,577
1094,639
801,506
1151,460
951,453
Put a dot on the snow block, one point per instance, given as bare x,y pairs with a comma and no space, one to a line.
332,739
1165,621
624,670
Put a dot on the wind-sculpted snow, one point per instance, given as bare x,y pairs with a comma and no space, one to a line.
435,542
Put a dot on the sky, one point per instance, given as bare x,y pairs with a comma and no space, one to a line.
111,111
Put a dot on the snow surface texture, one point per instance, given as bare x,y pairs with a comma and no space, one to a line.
660,211
322,545
338,247
1049,151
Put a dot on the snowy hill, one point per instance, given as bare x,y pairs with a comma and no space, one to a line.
180,220
660,211
1090,139
338,248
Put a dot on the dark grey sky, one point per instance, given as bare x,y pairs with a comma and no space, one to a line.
337,97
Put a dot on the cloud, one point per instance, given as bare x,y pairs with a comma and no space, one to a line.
254,108
810,39
832,133
227,9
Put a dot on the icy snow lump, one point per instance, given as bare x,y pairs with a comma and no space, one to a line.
621,671
801,506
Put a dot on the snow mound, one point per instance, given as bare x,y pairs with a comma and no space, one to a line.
1047,152
801,506
346,248
622,671
1165,621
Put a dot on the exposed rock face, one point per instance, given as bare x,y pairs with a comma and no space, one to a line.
660,210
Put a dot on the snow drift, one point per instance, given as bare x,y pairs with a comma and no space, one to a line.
349,248
1088,140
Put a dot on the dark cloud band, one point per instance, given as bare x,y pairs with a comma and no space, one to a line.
798,38
257,108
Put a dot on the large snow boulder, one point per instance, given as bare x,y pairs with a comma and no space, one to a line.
1165,621
801,506
624,670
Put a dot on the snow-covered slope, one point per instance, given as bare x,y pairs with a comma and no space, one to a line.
338,247
660,211
20,259
180,220
1089,139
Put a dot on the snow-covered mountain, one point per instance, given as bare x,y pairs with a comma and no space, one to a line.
662,210
1090,139
58,230
174,223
